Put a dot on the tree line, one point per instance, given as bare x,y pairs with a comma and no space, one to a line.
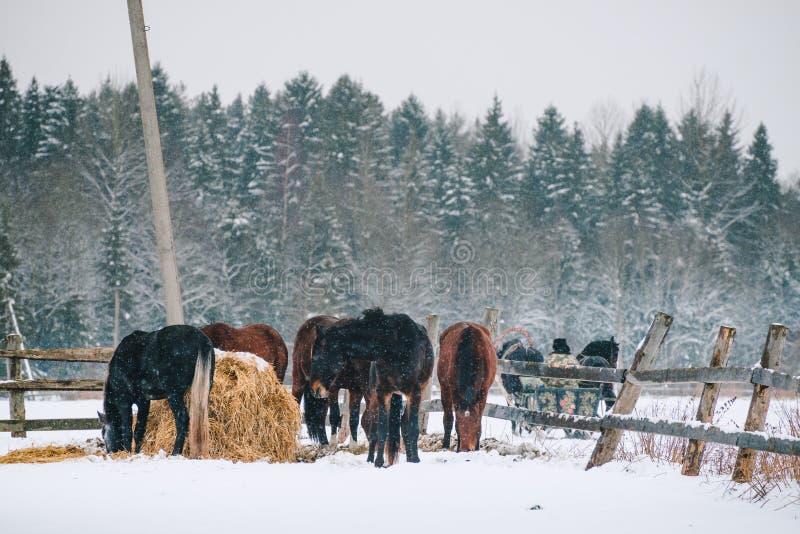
304,200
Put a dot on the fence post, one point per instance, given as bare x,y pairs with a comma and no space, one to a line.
432,325
759,404
490,316
629,393
17,400
693,455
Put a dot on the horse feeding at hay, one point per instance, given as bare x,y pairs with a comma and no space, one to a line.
159,365
403,364
353,377
259,339
466,371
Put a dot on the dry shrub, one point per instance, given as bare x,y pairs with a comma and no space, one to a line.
772,471
251,416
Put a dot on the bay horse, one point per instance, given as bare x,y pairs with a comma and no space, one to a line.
466,371
403,364
156,365
354,377
259,339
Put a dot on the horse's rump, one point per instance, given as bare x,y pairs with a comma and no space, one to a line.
259,339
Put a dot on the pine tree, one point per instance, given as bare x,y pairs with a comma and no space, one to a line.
32,119
455,190
761,201
649,195
207,148
693,164
172,118
62,108
546,187
354,165
8,260
411,192
297,155
493,166
9,114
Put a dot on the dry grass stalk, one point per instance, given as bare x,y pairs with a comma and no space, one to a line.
772,471
251,416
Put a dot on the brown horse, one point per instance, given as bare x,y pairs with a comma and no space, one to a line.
467,365
354,378
259,339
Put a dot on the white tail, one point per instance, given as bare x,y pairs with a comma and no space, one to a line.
198,406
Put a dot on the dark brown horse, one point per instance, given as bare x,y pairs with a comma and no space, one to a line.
259,339
467,365
403,364
354,378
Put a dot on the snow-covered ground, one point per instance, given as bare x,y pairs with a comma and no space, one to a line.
447,492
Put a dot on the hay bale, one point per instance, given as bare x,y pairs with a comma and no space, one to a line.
251,415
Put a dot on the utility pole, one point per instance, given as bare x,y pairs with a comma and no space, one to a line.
155,166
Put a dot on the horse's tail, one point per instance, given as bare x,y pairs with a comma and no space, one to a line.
315,416
198,404
393,441
466,369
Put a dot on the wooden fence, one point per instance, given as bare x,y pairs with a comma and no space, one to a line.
611,426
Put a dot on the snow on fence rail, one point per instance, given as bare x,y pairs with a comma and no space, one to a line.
610,426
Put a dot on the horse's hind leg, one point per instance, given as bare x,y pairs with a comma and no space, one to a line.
141,423
447,417
412,452
181,421
355,408
383,427
334,415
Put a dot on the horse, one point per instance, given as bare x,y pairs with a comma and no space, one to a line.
514,350
466,371
601,353
259,339
608,349
156,365
354,378
403,364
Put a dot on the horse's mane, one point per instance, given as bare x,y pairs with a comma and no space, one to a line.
467,368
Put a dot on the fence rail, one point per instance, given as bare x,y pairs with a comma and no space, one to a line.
610,426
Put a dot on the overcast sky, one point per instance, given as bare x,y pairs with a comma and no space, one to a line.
451,54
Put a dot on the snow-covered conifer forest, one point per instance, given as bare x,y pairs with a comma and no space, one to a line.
306,199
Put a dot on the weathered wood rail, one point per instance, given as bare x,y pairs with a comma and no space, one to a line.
18,425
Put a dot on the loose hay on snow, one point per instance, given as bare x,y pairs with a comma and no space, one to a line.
251,416
43,455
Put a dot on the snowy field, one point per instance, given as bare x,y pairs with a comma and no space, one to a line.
475,492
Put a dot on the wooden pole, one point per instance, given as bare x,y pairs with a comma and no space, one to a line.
759,404
15,325
490,316
693,455
432,325
17,404
629,393
155,166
